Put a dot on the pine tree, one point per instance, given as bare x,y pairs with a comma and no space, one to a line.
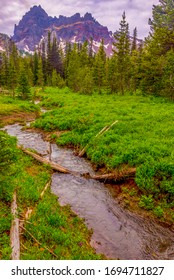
56,61
4,70
122,51
162,26
73,69
134,41
86,84
54,79
49,57
151,71
68,50
35,68
23,83
155,62
40,80
112,75
100,68
168,76
13,77
135,61
84,58
44,62
91,53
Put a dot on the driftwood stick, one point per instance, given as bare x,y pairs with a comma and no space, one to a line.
110,126
82,152
51,252
44,190
14,231
106,128
24,246
28,213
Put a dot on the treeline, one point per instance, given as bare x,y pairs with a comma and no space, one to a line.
146,67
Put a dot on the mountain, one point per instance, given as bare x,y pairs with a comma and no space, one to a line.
5,42
35,24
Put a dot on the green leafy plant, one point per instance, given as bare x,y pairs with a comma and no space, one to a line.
158,211
146,202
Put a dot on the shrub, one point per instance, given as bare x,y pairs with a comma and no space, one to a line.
146,202
158,211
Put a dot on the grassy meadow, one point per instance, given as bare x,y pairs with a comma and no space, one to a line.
52,231
142,137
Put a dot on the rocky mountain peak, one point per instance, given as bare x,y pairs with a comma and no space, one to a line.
88,16
37,10
36,23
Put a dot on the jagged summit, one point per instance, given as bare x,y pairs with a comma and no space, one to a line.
37,9
34,26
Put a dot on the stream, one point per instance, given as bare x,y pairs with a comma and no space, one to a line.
117,232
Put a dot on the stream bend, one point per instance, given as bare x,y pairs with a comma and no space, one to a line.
117,233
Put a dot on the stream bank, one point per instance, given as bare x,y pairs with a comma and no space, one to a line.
117,232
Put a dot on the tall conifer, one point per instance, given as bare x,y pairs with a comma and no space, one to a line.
122,51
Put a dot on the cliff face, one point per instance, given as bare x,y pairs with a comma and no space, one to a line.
30,29
36,23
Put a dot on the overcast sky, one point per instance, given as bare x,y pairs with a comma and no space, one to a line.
106,12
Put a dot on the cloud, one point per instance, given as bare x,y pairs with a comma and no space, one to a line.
108,13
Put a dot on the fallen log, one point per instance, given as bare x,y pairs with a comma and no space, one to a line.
14,231
53,165
115,176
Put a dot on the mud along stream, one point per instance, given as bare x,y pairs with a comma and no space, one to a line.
117,232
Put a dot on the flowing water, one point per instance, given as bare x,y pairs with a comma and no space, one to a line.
117,232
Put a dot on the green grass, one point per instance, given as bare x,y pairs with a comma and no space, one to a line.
59,230
5,224
142,138
9,105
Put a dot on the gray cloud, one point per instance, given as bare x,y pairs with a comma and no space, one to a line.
107,12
